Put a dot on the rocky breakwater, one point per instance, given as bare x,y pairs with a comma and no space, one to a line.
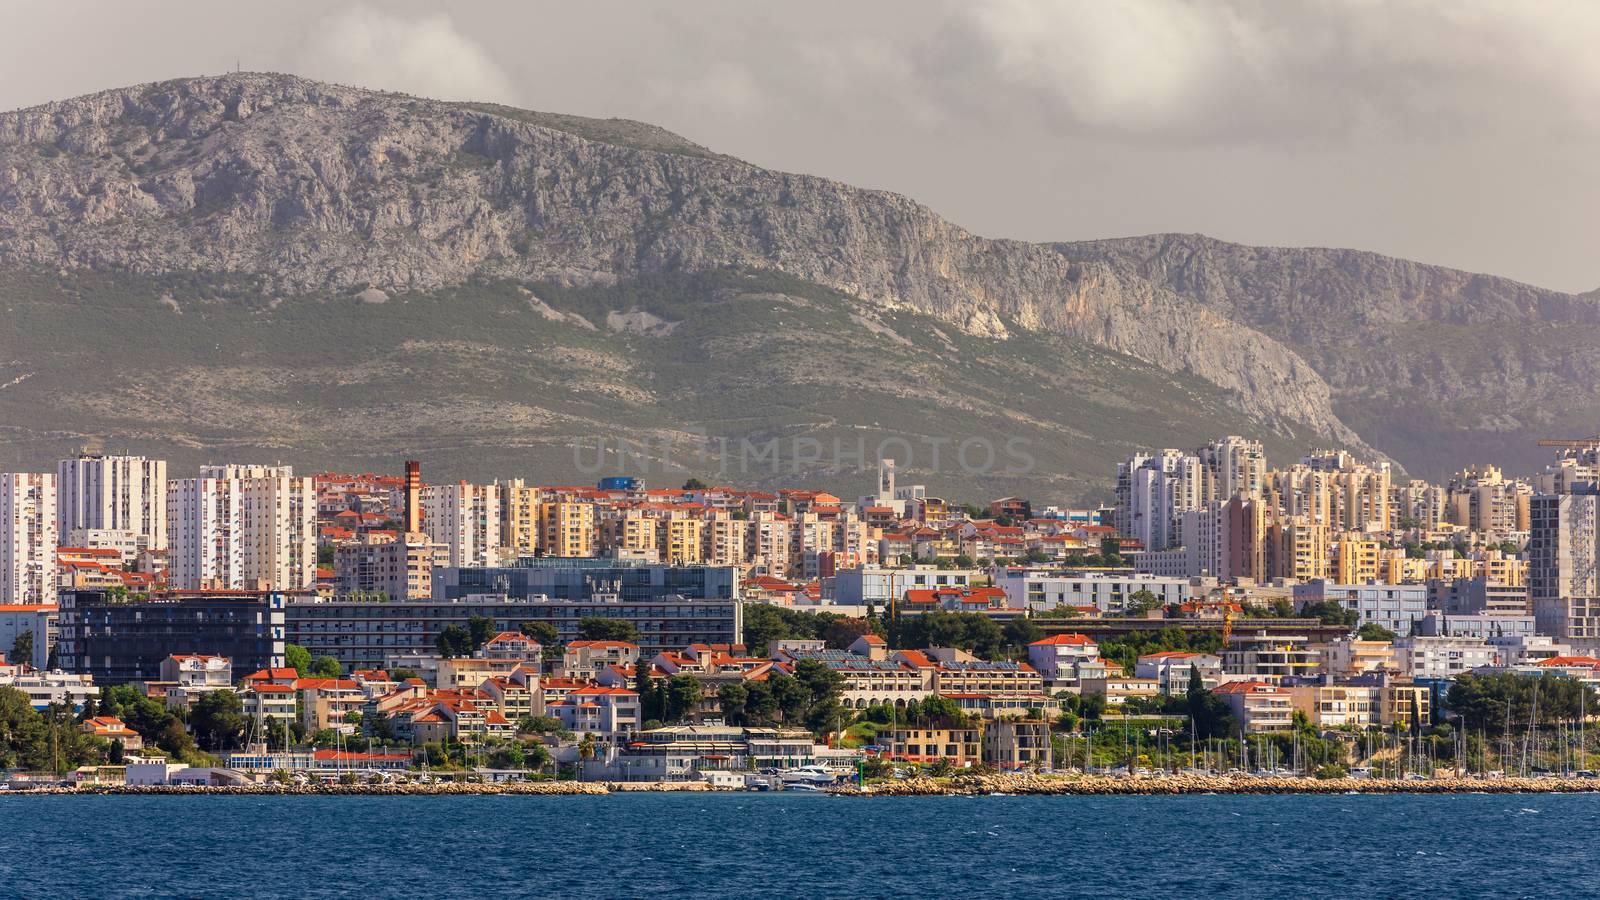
546,788
1101,785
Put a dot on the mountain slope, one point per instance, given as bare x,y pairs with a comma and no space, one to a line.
315,187
1420,359
265,202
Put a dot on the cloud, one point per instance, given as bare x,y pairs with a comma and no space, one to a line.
1246,70
424,55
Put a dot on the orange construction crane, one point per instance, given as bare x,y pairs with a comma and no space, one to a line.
1569,442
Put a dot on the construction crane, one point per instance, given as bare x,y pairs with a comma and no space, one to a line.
1569,442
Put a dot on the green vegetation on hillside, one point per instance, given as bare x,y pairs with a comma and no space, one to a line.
694,376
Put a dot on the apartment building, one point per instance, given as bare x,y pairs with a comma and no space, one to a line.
1564,565
1030,589
567,528
399,569
519,517
1441,657
1258,707
465,518
118,493
28,538
240,527
1271,658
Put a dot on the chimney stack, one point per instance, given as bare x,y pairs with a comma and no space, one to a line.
413,496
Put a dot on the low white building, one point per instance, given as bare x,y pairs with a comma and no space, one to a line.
875,585
1394,606
39,619
1442,657
1042,590
45,688
1171,668
1525,649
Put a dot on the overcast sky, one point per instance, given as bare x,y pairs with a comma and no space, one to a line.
1461,132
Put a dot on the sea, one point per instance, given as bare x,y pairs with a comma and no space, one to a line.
800,845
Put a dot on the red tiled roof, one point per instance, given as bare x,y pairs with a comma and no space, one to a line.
1073,640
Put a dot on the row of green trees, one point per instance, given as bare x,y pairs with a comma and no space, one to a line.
464,640
809,697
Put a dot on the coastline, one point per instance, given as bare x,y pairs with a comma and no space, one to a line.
958,786
1176,785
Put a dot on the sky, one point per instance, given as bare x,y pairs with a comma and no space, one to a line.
1458,132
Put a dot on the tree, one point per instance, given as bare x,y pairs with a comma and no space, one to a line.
791,700
731,699
218,720
604,628
937,711
536,756
1372,631
326,667
760,707
480,629
543,632
453,641
297,658
1140,603
1210,714
1111,551
643,686
175,741
1020,632
1331,612
694,484
1489,702
974,632
22,648
683,694
842,632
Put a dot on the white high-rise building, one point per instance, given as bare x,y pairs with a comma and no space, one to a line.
118,493
1162,489
28,538
1234,466
465,518
242,528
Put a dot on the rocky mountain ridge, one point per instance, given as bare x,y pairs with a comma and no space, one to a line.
304,188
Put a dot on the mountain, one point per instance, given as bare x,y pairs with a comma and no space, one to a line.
257,264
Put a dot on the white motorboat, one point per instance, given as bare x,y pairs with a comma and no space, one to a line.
812,775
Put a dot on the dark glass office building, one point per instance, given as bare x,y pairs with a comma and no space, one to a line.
587,579
120,640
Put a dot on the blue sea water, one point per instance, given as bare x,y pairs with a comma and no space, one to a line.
787,845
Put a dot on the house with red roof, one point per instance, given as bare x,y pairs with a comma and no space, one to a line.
1170,669
584,659
1064,660
606,712
111,728
1257,706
